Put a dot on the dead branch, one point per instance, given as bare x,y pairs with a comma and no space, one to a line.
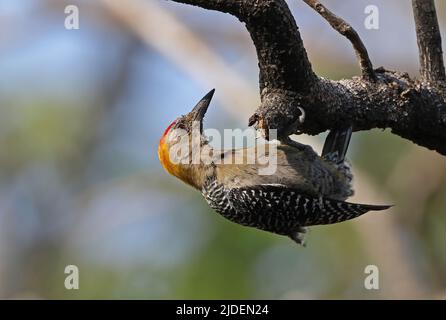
347,30
429,40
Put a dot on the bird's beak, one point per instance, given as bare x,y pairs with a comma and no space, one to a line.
200,109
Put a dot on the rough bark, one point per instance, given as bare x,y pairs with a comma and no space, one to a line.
429,40
412,109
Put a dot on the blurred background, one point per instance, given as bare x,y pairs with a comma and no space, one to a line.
81,114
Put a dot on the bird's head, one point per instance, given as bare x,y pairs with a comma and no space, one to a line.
181,136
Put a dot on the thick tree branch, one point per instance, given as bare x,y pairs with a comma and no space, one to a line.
347,30
413,110
429,40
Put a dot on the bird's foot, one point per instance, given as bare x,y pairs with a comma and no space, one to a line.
300,146
298,236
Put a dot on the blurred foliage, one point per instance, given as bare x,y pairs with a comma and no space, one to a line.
81,183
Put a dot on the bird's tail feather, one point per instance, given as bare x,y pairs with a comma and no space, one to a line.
333,211
336,144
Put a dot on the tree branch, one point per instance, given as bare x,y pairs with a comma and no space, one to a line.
347,30
429,40
413,110
283,61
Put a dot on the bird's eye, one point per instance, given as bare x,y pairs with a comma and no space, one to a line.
180,125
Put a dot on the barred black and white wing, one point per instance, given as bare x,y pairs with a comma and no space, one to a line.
279,209
284,207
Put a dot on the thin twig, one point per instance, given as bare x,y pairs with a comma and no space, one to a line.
347,30
429,40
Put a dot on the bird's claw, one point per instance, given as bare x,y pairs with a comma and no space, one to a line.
299,236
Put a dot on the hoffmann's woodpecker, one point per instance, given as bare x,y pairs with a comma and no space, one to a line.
305,189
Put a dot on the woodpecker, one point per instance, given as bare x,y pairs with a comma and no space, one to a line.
305,190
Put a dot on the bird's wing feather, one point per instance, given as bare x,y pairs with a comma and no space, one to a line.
287,204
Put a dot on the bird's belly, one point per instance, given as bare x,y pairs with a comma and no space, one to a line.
282,223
